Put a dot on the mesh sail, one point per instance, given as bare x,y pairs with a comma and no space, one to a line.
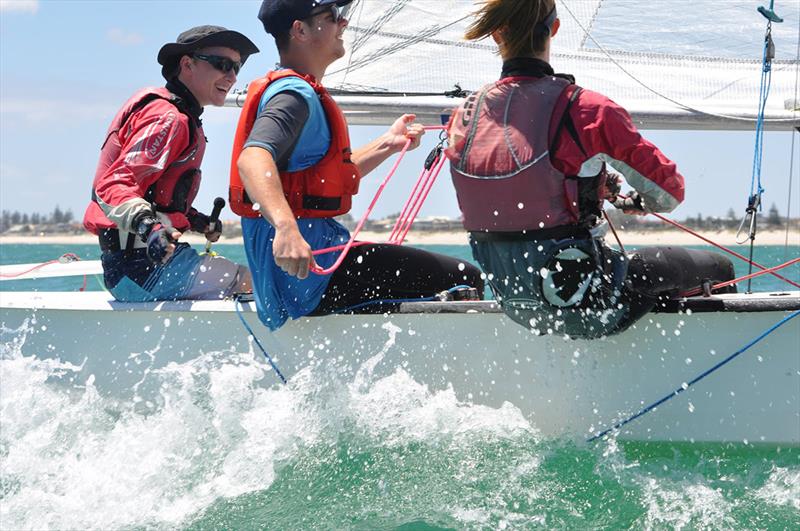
676,64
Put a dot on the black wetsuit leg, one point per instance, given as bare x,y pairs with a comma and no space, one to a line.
381,271
658,273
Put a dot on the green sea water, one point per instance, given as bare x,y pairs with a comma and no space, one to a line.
327,453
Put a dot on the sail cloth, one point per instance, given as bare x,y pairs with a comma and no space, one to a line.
681,64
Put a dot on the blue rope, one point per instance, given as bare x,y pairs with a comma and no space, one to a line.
253,335
766,84
396,301
683,388
763,95
344,310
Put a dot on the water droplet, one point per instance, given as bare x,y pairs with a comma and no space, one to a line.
520,206
461,266
256,206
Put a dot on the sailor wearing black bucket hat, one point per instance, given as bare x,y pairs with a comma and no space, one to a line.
149,174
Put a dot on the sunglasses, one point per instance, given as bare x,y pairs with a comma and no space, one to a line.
223,64
337,12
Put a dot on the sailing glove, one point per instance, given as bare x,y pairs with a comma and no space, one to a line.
156,236
203,224
613,186
632,204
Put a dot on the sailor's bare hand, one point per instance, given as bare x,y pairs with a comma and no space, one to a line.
292,253
405,128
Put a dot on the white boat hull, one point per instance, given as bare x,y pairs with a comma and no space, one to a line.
567,388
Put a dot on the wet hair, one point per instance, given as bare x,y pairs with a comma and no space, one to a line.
521,23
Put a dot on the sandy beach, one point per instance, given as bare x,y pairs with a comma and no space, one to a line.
629,238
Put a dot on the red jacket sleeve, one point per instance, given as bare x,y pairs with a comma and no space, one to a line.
607,134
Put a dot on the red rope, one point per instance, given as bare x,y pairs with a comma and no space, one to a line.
718,246
697,291
614,232
63,259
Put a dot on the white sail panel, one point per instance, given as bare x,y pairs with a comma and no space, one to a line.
677,64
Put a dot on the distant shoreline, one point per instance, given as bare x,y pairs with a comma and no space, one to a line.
629,238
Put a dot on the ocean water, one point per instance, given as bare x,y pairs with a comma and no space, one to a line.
326,452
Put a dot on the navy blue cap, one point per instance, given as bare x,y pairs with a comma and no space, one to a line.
279,15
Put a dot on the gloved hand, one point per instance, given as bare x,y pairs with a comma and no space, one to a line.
202,223
633,204
613,186
159,239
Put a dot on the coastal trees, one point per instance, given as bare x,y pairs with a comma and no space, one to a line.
9,219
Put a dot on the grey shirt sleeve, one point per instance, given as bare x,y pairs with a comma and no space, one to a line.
278,126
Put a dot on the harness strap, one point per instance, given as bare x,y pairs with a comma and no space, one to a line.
109,241
554,233
566,121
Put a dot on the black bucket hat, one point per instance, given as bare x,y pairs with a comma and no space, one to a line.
202,37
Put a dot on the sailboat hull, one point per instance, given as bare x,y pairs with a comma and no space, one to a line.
567,388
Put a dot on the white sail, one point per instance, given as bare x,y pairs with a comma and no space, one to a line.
673,64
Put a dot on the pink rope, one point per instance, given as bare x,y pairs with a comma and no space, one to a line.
400,222
345,248
426,190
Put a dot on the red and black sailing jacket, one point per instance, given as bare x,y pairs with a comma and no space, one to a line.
153,150
320,191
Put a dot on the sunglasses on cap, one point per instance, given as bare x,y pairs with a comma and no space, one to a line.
223,64
337,12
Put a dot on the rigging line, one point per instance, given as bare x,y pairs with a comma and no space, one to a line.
236,303
795,107
654,91
380,22
65,258
591,20
683,387
420,37
718,246
698,291
325,271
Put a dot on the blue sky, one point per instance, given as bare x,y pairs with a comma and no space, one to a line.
66,66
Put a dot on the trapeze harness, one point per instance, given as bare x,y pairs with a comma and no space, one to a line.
176,188
323,190
499,150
